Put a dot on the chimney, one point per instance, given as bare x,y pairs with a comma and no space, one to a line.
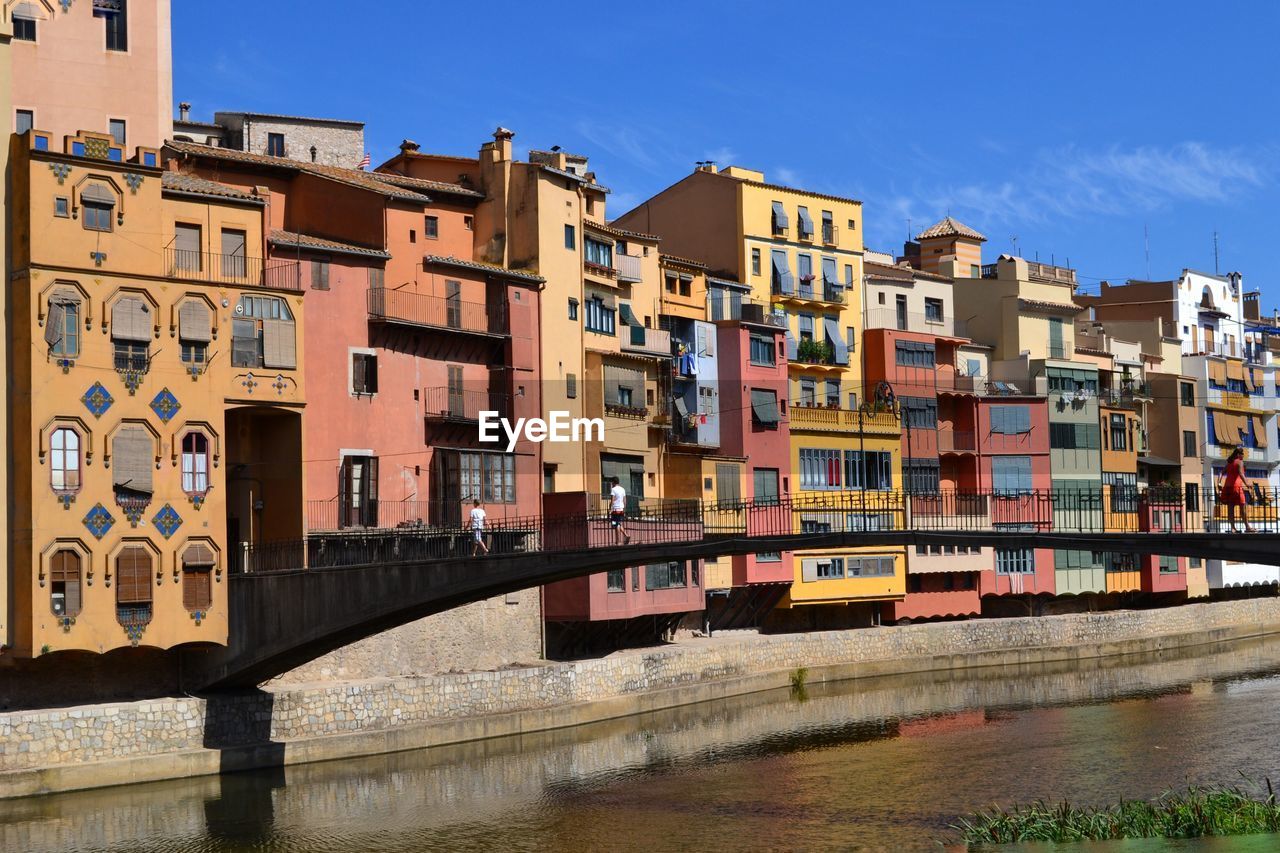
502,143
409,146
184,111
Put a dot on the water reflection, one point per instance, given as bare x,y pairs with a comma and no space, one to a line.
875,763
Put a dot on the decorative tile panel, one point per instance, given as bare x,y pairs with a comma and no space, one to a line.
167,521
60,171
97,399
99,521
134,180
165,405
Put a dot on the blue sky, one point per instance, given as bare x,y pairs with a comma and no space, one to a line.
1069,126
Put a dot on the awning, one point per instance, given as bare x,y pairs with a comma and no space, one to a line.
626,315
98,193
786,282
1218,372
1235,370
1259,431
806,221
829,272
681,409
832,326
780,220
28,12
764,407
1159,461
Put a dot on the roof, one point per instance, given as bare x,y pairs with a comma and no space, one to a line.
683,262
351,177
780,187
183,183
289,118
1038,305
186,122
888,271
586,184
621,232
453,158
438,187
1091,351
306,241
450,261
949,227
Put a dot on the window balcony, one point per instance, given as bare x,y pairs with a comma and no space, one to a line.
442,405
600,272
628,268
436,312
957,441
950,381
645,341
238,270
912,321
831,419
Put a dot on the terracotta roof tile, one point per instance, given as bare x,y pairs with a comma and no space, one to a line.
1040,305
439,187
306,241
179,182
449,261
781,187
615,231
888,271
684,262
949,227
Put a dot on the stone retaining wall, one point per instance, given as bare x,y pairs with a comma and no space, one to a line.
108,744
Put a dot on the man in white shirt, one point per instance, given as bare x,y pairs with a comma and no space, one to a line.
618,512
477,529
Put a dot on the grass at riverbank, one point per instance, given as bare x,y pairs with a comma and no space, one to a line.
1194,813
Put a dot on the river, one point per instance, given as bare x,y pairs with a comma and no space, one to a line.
883,763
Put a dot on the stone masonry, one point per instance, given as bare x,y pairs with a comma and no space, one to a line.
282,715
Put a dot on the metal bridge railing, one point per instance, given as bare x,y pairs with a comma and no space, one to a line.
1107,509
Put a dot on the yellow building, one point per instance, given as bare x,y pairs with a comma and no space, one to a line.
801,254
155,392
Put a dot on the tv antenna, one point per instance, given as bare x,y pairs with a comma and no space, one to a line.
1013,238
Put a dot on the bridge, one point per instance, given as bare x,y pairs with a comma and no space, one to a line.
291,602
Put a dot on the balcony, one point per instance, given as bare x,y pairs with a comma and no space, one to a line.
814,290
1235,400
600,272
646,341
912,321
1049,272
1132,396
810,351
952,382
830,234
238,270
628,268
736,307
444,405
829,419
437,312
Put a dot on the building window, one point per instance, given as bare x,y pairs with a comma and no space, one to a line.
570,237
187,255
828,227
1123,489
1188,391
923,477
1015,561
131,329
870,567
358,492
113,15
600,317
377,277
914,354
598,252
755,262
808,391
195,331
96,215
133,586
780,222
1074,436
488,476
872,470
263,334
64,583
234,260
1190,447
573,308
1168,565
1071,381
64,461
275,144
763,351
820,469
920,412
1010,420
665,575
24,28
1011,475
197,575
765,485
833,393
132,462
764,409
431,227
62,324
364,373
319,273
571,386
1118,433
24,120
933,310
62,207
1191,497
195,463
468,223
117,130
616,580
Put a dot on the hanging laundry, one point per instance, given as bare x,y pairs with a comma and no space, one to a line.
702,418
688,364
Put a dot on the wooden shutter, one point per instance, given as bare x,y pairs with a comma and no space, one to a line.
55,324
131,320
133,575
65,568
197,572
358,379
1235,370
1259,431
571,385
279,344
132,457
728,488
195,322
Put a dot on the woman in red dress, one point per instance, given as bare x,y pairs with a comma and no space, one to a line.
1231,490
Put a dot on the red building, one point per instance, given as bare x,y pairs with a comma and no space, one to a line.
411,339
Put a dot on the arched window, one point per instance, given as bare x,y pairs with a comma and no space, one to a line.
133,586
195,330
64,583
97,208
195,463
64,460
197,577
62,324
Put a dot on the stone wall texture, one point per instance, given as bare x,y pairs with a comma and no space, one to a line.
485,635
282,716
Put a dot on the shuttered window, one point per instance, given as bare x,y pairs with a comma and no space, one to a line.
319,273
188,256
233,254
1011,420
764,408
1011,475
364,373
571,385
765,486
133,576
623,386
195,322
132,457
279,344
197,577
64,583
131,320
62,324
728,487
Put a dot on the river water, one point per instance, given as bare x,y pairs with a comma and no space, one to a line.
884,763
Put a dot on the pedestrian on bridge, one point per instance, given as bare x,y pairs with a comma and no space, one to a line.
477,529
618,512
1231,490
